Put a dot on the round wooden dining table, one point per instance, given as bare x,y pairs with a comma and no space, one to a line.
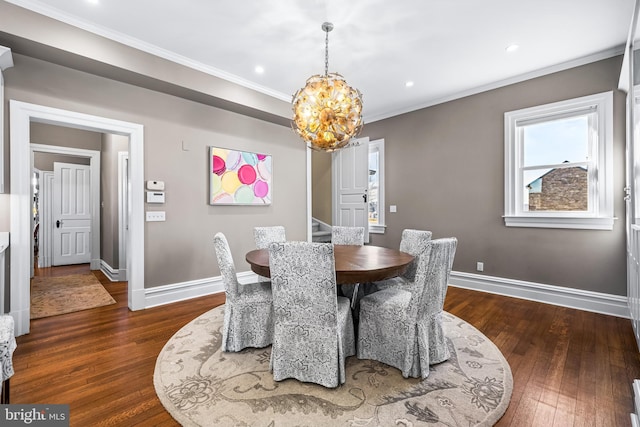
354,264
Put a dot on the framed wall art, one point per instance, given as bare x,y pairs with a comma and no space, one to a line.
239,177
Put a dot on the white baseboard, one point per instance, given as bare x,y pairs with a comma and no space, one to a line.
613,305
168,294
112,274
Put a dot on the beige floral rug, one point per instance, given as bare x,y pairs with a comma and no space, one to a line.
201,386
51,296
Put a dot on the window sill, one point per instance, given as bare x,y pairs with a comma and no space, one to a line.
601,223
377,229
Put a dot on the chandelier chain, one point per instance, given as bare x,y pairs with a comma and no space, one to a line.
326,53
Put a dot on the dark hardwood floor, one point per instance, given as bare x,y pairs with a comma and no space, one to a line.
570,367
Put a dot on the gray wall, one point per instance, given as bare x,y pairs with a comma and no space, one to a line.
321,186
109,203
445,172
46,134
181,248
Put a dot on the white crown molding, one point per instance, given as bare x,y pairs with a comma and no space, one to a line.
149,48
612,305
609,53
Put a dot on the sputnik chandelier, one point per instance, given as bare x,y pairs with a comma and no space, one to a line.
327,112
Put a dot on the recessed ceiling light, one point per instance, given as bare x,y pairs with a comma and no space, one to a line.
512,48
93,1
408,84
259,69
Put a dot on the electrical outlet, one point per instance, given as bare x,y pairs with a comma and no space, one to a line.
480,266
154,216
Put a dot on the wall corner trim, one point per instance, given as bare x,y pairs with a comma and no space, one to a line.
612,305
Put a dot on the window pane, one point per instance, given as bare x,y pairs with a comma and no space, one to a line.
557,189
556,141
374,185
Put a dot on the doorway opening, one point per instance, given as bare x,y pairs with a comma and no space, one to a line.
21,116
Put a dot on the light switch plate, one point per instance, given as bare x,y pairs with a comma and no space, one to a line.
155,216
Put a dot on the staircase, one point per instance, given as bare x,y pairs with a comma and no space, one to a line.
320,231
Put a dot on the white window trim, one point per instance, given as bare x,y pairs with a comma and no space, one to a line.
380,227
601,217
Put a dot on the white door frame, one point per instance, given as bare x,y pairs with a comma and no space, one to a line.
94,166
21,114
124,200
46,217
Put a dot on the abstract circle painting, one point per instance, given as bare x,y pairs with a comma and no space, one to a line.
239,177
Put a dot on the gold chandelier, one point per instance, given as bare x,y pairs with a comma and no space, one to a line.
327,112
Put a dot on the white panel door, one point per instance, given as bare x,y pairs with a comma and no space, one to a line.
350,167
71,214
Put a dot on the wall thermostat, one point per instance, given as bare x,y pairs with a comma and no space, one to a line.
155,185
155,196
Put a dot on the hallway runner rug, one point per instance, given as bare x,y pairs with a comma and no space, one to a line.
51,296
201,386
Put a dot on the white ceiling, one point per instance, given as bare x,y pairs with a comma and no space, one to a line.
448,48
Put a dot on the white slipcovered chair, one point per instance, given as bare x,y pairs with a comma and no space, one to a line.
313,328
265,236
342,235
7,347
402,327
412,242
248,312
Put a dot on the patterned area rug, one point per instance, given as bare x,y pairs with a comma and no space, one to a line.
51,296
201,386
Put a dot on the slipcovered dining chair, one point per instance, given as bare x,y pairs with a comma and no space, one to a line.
412,242
248,312
402,327
265,236
313,328
343,235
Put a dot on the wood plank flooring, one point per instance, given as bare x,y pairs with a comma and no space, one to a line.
570,367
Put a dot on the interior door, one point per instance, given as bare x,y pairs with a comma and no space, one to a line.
350,175
71,214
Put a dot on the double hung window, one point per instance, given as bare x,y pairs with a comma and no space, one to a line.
558,164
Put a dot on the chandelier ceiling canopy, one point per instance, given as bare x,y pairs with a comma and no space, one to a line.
327,112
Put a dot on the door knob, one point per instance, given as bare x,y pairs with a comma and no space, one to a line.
364,196
58,223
